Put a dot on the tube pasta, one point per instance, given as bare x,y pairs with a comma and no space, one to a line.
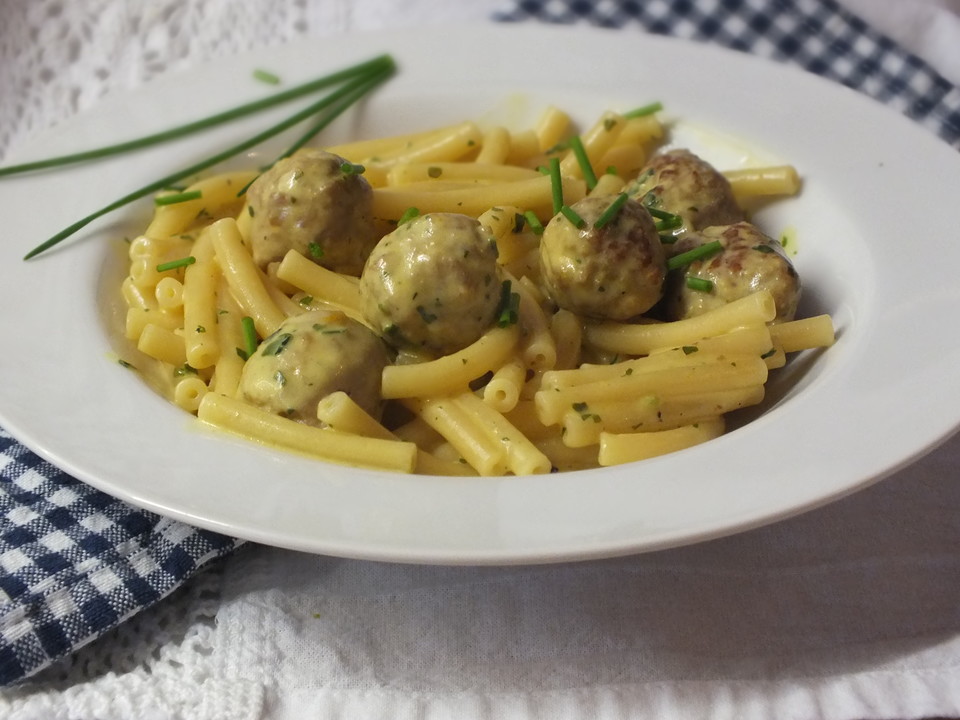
551,392
339,412
162,344
503,391
244,278
804,334
229,363
450,373
218,195
764,181
200,314
639,339
345,448
320,283
616,449
534,193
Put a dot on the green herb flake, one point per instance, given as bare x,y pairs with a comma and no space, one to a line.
306,301
315,250
425,315
276,345
690,349
764,248
265,76
434,171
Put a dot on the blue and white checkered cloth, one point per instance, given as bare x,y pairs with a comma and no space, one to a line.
817,35
75,562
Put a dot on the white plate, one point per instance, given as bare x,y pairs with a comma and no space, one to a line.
875,250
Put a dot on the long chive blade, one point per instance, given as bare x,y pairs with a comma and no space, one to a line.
177,197
382,62
385,70
340,100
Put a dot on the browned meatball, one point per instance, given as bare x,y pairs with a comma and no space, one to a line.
614,272
311,356
749,261
433,283
683,184
308,203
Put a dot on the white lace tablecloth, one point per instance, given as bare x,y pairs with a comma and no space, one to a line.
851,611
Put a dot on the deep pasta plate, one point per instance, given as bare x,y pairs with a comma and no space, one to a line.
834,421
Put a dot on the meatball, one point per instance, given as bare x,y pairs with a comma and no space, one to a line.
683,184
308,203
311,356
432,284
749,261
614,272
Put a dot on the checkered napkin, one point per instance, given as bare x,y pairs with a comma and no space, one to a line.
817,35
75,562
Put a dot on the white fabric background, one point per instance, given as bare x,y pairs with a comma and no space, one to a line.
850,611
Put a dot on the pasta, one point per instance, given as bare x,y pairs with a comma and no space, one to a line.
539,386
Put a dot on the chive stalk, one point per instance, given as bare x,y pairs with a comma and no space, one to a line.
509,310
698,253
409,214
379,73
696,283
556,184
349,168
249,330
580,153
644,110
573,216
378,64
611,212
534,222
178,263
